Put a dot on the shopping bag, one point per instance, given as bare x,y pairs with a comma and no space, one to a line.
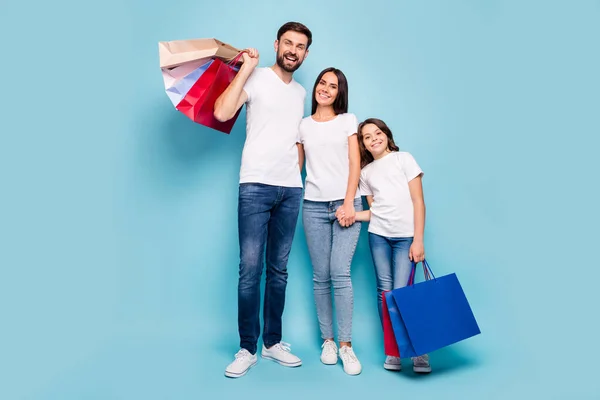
180,87
390,346
173,75
435,312
177,52
405,347
198,103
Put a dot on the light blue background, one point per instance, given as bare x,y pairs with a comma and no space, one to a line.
118,215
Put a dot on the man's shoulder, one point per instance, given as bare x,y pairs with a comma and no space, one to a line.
258,72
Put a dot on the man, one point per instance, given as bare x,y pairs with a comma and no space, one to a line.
270,190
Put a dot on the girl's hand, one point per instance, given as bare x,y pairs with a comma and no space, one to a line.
416,252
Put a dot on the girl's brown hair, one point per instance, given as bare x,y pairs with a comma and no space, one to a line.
365,156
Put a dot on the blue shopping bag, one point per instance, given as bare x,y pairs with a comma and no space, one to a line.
435,313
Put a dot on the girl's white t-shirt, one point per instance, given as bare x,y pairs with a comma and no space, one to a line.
327,161
386,179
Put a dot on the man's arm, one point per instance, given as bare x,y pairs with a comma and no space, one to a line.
234,96
300,155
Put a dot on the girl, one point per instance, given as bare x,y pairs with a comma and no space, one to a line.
391,181
328,140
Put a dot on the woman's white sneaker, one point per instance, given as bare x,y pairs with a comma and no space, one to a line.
242,363
281,353
329,355
351,364
393,363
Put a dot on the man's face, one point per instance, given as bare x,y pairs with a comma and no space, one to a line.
291,50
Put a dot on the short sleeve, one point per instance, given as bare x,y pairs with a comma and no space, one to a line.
352,124
363,186
409,166
251,84
300,134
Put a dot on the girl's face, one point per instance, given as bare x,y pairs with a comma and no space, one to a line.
375,141
327,89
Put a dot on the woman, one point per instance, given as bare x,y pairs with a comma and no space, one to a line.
327,140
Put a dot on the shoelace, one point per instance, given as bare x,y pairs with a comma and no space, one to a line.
421,359
329,347
284,346
347,353
242,355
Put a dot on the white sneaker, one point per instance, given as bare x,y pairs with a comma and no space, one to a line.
393,363
329,355
421,364
281,353
351,364
242,363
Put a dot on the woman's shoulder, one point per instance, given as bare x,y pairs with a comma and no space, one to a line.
348,116
306,120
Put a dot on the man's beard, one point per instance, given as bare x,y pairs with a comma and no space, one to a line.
281,62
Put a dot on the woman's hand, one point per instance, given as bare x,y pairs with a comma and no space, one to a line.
346,214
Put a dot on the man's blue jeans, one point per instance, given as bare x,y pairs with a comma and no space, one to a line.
267,217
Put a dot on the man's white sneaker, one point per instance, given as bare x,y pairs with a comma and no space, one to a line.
421,364
242,363
351,364
393,363
281,353
329,355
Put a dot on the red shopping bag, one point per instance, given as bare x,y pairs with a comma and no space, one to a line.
389,340
198,103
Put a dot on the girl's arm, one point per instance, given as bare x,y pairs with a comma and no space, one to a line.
361,216
353,178
365,216
417,249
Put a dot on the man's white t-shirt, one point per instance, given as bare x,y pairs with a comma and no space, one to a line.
274,110
327,162
386,179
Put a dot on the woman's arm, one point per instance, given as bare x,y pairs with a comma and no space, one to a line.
353,178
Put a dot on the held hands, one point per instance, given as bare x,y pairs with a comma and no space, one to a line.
250,57
417,251
346,215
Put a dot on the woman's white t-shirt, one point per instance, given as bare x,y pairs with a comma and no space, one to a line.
386,179
326,151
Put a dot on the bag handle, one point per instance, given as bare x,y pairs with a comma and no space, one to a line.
427,272
235,60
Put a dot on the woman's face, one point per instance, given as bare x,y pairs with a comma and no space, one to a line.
374,140
327,89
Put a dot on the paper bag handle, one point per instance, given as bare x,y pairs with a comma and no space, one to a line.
236,58
427,272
